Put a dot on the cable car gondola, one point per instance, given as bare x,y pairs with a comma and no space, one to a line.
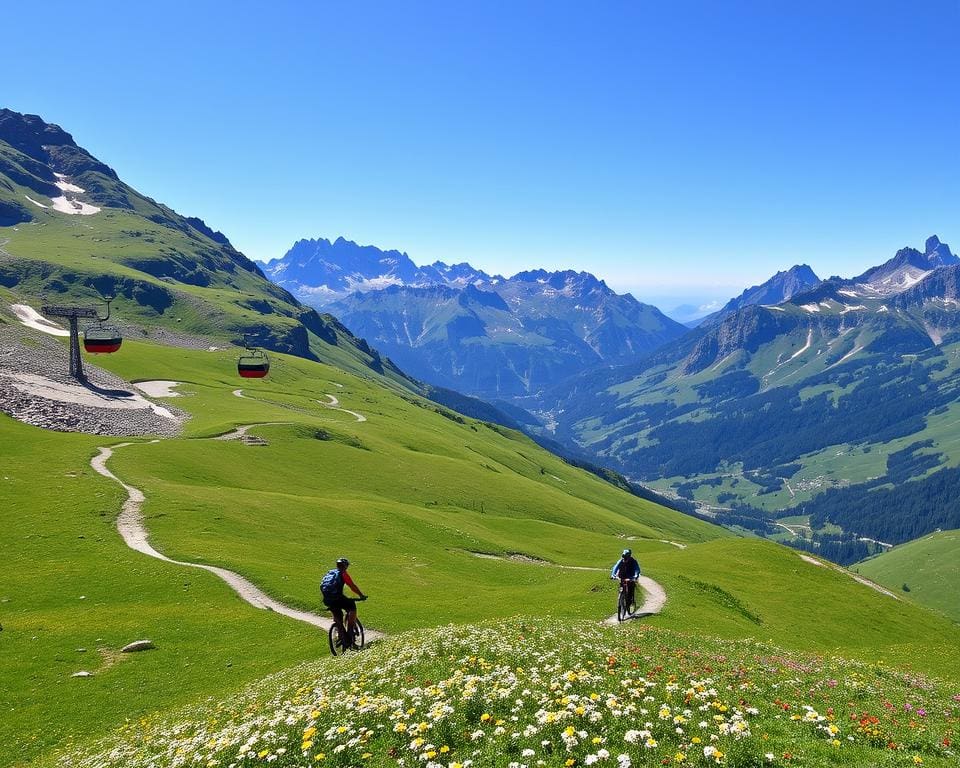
102,339
253,364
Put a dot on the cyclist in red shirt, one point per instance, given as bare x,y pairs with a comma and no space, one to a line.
331,587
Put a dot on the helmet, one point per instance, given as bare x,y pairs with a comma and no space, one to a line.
626,553
343,561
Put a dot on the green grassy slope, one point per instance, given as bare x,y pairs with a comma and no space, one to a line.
929,566
70,583
410,490
408,495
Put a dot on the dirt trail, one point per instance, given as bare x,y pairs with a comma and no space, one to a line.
655,599
855,576
239,432
134,533
334,405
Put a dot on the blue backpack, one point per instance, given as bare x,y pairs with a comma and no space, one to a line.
332,583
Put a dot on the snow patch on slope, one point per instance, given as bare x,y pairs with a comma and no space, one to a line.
73,207
33,319
66,186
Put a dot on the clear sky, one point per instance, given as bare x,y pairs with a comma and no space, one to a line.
680,150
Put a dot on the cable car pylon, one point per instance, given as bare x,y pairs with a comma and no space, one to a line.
72,315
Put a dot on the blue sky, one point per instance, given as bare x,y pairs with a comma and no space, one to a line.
680,150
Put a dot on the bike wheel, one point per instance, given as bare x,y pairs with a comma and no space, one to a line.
336,646
358,638
622,605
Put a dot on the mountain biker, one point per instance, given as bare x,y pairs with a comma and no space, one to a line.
331,587
627,569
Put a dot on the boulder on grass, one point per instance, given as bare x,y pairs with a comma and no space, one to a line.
138,645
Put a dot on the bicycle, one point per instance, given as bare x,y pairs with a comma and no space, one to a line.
341,642
626,602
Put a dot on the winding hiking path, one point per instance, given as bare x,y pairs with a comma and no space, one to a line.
134,533
132,530
655,596
334,405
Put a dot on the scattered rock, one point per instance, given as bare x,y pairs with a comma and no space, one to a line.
27,352
138,645
82,673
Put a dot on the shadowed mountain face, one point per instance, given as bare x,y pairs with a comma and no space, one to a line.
851,384
71,228
458,327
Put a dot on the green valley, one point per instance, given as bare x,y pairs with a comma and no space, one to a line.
838,406
925,570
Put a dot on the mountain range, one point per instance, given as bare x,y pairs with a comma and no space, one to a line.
838,404
459,327
320,272
801,396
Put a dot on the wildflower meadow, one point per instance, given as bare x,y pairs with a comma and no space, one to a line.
550,693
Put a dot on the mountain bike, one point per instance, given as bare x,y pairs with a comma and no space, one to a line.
341,642
626,603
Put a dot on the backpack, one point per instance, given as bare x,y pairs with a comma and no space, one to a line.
332,583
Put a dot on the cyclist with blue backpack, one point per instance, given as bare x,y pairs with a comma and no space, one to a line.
627,569
331,587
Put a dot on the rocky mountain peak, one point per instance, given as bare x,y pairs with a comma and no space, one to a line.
938,253
804,272
49,144
783,286
30,134
907,266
